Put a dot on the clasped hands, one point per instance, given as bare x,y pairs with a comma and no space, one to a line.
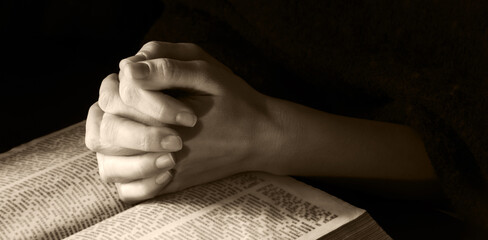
175,117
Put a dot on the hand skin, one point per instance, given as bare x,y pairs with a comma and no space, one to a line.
239,129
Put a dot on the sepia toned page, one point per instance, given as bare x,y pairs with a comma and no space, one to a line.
50,188
245,206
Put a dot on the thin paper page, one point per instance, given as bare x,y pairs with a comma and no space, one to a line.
60,192
245,206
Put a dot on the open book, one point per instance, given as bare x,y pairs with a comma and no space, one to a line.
50,189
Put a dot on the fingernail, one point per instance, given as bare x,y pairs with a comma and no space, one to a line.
165,161
186,119
139,70
163,177
171,143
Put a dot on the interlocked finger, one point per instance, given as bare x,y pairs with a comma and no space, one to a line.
125,133
177,51
110,102
143,189
92,135
129,168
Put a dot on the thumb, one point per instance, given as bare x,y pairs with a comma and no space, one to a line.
165,73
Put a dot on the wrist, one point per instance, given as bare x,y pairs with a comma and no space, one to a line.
296,139
269,137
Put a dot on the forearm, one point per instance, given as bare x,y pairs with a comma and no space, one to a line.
314,143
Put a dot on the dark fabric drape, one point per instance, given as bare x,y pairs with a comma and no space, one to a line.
418,63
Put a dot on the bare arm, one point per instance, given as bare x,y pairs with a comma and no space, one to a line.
315,143
238,129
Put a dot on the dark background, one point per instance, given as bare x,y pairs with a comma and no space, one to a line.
55,55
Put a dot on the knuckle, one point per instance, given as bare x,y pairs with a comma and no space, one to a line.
93,107
150,47
140,170
202,64
148,136
92,143
162,111
112,77
129,95
193,47
204,69
105,99
196,50
93,112
106,95
145,143
166,68
108,130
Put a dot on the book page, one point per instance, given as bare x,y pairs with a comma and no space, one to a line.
245,206
39,154
50,188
